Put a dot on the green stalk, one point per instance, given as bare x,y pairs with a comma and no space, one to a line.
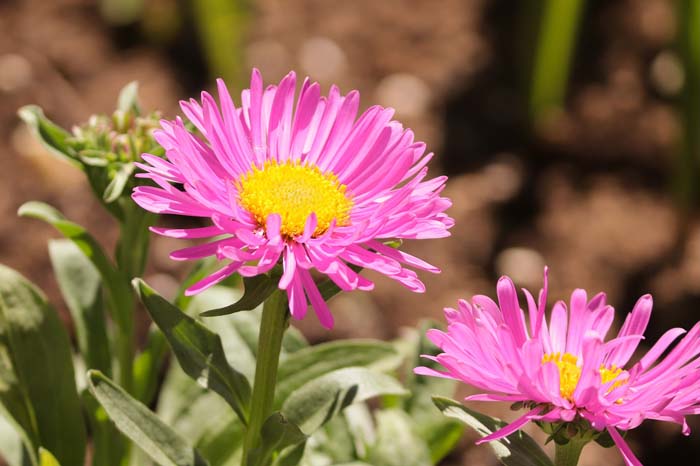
131,254
222,26
688,160
275,319
569,454
556,40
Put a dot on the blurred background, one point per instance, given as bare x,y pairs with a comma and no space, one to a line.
570,131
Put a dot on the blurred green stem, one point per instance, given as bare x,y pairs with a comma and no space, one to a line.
275,319
131,255
688,160
222,25
556,40
569,454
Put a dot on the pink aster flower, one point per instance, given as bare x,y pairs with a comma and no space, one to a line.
565,369
297,180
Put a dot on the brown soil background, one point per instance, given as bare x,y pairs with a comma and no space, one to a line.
587,194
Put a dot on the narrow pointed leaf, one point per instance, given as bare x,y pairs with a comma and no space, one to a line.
317,401
129,98
120,293
277,433
52,136
115,188
398,442
198,350
440,432
257,290
315,361
47,459
148,365
37,382
291,456
81,288
12,446
142,426
517,449
109,446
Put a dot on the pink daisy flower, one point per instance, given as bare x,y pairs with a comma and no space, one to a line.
564,369
297,180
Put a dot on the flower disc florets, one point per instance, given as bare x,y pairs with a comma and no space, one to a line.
294,191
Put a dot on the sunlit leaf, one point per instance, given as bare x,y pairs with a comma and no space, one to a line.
317,401
52,136
81,288
37,382
142,426
517,449
198,350
257,290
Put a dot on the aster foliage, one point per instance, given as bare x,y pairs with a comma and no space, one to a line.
289,190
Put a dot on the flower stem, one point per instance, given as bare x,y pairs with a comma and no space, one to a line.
568,455
275,319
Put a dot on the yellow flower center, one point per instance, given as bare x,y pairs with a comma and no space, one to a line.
294,191
570,373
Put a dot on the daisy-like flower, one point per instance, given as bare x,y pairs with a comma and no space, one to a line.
299,181
565,370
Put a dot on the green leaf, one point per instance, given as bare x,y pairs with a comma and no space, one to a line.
81,287
52,136
239,331
120,293
12,446
277,433
142,426
37,383
335,440
129,98
94,157
257,290
398,443
290,456
148,365
314,361
47,459
317,401
517,449
200,415
361,428
109,446
198,350
440,432
115,188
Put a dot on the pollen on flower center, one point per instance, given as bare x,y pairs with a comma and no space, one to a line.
570,373
294,191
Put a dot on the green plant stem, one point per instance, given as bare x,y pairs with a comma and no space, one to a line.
569,454
125,354
131,254
275,319
222,26
686,179
554,50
